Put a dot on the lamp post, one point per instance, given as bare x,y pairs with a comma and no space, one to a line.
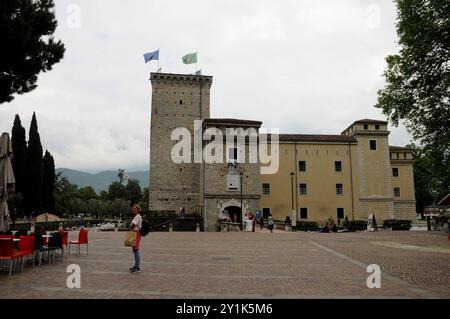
293,213
292,191
242,210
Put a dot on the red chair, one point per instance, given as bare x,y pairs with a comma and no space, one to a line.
82,240
7,237
7,252
26,248
65,238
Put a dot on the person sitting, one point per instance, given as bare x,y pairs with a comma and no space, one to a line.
325,229
334,228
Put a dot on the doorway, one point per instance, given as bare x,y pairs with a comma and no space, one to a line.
234,210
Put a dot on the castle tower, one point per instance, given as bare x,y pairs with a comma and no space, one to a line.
373,168
177,100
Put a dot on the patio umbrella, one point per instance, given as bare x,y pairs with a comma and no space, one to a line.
7,181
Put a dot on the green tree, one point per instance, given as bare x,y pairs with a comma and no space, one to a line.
86,193
64,192
116,191
27,28
48,182
417,87
119,207
145,199
19,146
134,192
103,195
34,169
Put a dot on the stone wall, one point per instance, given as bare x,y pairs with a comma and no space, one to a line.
177,100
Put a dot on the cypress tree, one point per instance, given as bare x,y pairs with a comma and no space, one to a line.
19,146
48,182
34,169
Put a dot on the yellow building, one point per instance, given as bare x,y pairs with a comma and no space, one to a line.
350,175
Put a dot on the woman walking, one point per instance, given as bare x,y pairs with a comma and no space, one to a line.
135,226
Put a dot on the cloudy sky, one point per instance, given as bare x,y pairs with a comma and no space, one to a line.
303,66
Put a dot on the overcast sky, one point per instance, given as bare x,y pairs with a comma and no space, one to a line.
303,66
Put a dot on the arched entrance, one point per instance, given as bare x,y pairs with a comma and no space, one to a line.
234,210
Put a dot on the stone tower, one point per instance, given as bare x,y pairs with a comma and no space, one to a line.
374,168
177,100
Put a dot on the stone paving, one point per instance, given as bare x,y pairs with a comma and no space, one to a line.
247,265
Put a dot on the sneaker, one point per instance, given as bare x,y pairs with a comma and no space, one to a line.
136,270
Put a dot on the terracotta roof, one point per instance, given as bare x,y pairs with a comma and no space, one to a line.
316,138
400,148
232,121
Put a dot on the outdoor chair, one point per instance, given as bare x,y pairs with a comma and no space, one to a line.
54,244
82,240
8,253
65,239
26,248
39,246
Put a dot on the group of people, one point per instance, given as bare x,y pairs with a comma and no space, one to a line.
329,226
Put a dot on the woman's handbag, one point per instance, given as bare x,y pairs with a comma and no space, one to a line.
130,239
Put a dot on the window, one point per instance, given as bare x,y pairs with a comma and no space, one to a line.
338,166
266,212
377,127
340,213
302,166
181,102
366,127
396,191
339,189
303,213
302,189
373,145
395,171
266,188
404,155
398,155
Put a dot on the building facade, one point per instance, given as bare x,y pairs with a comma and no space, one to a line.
353,175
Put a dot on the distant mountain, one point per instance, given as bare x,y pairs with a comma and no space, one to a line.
102,180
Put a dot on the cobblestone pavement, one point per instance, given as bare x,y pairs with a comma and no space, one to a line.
247,265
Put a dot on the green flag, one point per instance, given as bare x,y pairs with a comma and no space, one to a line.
190,58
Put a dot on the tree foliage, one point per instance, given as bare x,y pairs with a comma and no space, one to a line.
26,30
417,87
87,193
33,194
134,191
116,191
19,146
48,182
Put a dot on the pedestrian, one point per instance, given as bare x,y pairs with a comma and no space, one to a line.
182,210
135,226
270,223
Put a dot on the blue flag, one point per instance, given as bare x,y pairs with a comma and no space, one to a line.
151,56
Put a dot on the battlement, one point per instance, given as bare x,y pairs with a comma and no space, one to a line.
180,77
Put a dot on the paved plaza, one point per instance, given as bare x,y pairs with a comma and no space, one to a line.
248,265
